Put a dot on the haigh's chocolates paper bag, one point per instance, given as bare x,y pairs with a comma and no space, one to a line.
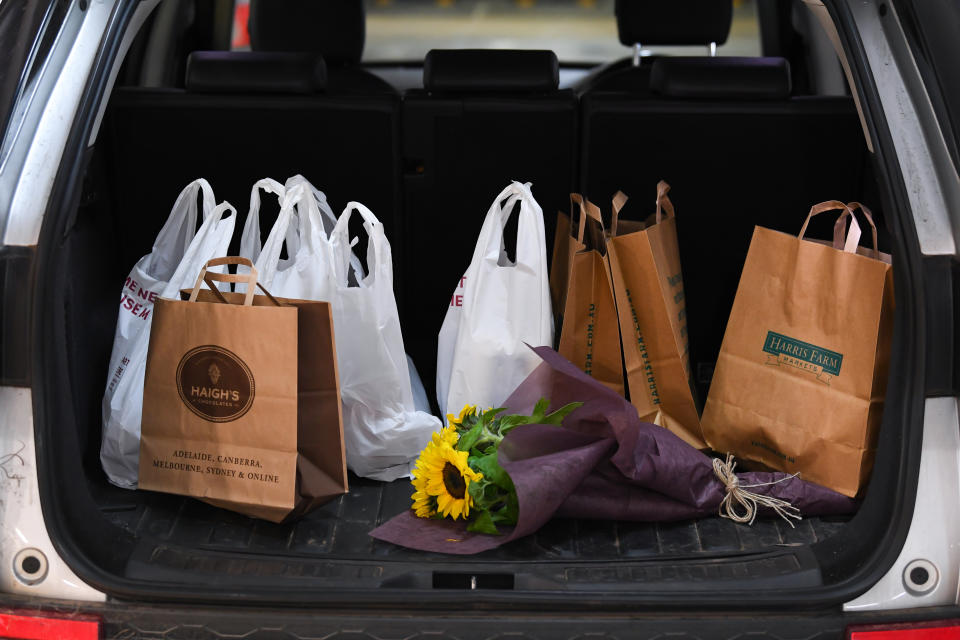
653,319
241,401
802,371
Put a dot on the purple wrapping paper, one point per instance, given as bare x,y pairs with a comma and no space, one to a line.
603,463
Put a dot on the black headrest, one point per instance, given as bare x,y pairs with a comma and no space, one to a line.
490,70
676,22
255,72
333,28
721,77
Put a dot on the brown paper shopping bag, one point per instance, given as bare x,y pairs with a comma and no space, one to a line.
241,403
645,265
801,376
564,246
590,337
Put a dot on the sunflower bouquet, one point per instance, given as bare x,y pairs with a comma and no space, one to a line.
458,475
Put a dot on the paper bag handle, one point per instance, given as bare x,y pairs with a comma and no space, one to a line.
848,242
587,210
593,211
212,277
577,199
853,206
619,199
663,201
663,204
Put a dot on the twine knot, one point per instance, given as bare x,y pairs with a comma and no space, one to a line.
750,501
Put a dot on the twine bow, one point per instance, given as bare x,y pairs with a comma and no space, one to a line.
737,494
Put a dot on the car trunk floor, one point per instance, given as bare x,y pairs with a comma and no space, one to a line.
339,530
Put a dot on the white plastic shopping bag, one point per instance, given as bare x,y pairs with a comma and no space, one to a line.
304,224
420,400
177,256
383,430
307,271
497,309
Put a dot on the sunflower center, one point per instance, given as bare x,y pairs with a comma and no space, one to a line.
453,481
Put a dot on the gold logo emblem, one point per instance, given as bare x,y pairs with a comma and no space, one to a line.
215,384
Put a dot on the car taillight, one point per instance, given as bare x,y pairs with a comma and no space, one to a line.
30,627
936,630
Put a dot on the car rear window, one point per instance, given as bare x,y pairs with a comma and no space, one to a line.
579,31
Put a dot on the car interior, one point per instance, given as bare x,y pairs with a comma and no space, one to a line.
743,141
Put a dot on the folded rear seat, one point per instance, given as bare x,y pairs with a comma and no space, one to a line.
248,115
738,151
484,117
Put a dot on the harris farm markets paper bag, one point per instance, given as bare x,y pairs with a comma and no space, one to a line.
590,337
241,401
801,377
648,284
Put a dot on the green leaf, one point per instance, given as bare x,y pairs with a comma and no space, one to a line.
490,467
476,490
490,414
486,495
509,513
509,422
492,494
483,523
540,409
470,421
470,438
557,416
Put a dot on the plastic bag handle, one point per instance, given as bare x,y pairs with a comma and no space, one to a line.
283,231
375,239
309,206
842,239
318,214
183,215
212,277
515,192
250,243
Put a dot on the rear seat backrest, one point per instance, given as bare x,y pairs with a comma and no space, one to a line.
738,152
249,72
246,116
726,78
484,118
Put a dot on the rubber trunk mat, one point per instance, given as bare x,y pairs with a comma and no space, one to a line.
339,530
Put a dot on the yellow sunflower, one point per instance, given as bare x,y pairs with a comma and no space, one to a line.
448,434
468,410
423,502
442,472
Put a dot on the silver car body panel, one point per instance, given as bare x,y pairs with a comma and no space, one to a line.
27,177
47,122
933,187
22,528
934,537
